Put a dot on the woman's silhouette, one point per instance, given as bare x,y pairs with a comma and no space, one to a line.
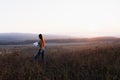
41,46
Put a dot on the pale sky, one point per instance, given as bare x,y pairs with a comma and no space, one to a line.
65,17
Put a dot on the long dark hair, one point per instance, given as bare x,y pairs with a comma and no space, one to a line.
42,39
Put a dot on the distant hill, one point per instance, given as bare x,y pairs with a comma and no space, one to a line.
27,38
15,37
18,37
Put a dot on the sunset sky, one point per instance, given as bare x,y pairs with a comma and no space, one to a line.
64,17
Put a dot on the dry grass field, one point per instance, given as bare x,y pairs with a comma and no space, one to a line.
100,61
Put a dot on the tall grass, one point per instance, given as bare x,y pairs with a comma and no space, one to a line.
91,62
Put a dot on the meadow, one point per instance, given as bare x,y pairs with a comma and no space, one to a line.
95,61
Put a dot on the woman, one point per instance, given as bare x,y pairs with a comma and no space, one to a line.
41,46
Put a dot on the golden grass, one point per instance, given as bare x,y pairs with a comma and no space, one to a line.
86,62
